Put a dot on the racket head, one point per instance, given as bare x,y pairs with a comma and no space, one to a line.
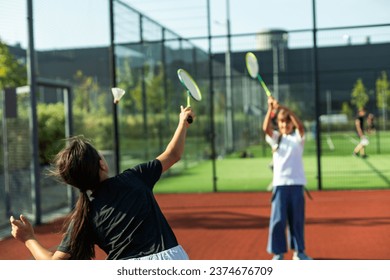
189,83
251,64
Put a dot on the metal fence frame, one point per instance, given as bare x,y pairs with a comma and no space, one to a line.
228,80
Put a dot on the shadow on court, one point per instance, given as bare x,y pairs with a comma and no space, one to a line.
218,220
340,225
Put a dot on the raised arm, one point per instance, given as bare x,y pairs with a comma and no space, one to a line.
175,148
267,123
23,231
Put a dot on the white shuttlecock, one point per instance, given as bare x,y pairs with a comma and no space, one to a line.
117,93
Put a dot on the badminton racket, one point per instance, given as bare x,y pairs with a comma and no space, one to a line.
252,66
192,88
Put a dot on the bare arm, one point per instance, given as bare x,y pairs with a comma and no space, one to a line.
267,124
23,231
175,148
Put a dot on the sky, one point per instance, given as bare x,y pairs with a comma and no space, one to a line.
84,23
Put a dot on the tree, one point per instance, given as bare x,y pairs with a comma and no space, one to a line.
383,95
383,91
125,80
359,95
51,127
90,115
12,72
86,93
346,109
154,87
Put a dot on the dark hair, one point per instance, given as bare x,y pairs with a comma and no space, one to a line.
283,113
78,165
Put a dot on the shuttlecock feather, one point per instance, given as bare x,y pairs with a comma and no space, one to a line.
117,93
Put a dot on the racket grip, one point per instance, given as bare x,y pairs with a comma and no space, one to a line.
189,119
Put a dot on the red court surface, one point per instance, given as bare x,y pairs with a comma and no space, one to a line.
340,225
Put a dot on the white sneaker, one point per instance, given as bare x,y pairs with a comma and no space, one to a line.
278,257
301,256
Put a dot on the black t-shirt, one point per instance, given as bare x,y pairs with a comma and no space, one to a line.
360,119
127,221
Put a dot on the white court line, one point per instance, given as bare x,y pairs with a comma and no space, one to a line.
351,139
330,143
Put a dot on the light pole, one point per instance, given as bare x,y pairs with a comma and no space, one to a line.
31,76
384,108
228,74
275,53
211,80
317,96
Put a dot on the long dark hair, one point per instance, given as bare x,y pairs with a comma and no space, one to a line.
78,165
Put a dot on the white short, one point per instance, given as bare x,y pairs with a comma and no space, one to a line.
175,253
364,141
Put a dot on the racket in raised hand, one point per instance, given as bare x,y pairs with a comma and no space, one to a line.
252,66
192,88
117,93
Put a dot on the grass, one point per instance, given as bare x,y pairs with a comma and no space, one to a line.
350,172
339,169
232,175
253,174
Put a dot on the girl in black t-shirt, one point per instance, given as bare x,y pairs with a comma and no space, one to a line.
119,214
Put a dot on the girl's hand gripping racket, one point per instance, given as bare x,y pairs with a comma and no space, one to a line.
192,88
253,69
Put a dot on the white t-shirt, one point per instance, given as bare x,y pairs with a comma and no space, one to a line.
287,159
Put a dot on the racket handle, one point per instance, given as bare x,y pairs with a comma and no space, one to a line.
189,119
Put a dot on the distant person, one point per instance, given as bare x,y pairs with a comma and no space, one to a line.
363,141
288,201
246,154
119,214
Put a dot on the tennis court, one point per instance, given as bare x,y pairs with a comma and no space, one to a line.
340,225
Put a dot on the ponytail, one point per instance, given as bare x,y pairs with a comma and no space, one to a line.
81,235
78,165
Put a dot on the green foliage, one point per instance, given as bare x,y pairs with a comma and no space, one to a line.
100,130
90,116
51,128
88,97
12,72
154,88
359,95
346,109
126,81
383,91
